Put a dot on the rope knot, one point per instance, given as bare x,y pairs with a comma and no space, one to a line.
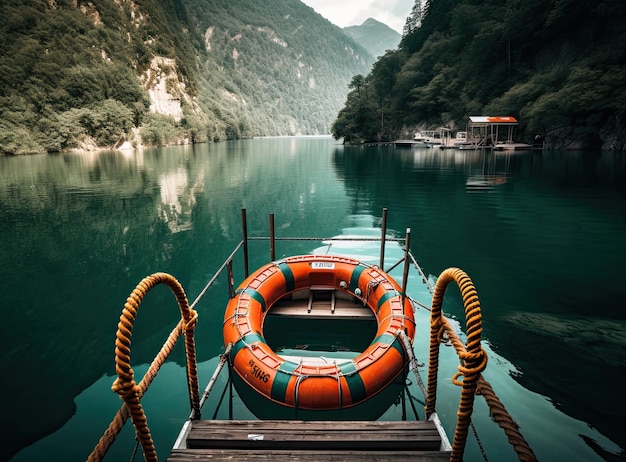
479,363
190,325
475,357
125,388
442,333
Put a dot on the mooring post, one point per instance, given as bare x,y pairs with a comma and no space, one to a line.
405,274
272,239
383,237
231,279
244,225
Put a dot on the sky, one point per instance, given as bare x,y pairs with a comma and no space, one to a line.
345,13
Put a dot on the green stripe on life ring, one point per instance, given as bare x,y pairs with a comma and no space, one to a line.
354,381
392,341
383,299
256,296
290,283
245,341
354,279
281,380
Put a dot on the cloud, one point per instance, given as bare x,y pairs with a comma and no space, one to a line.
354,12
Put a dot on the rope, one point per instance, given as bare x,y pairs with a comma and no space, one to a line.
108,438
125,384
371,286
480,444
500,415
473,362
408,348
473,357
422,274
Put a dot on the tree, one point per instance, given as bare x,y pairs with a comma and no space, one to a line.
357,82
414,20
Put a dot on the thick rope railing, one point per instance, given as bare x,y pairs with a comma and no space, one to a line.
473,362
116,425
125,384
473,357
501,416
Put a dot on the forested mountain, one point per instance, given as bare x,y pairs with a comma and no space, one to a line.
74,73
374,36
556,65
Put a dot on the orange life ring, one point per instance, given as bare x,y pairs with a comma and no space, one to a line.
316,387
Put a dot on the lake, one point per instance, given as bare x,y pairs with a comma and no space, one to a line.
542,235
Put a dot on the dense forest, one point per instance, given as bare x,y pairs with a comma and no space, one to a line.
556,65
87,74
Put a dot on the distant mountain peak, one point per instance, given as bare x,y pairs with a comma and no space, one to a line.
373,22
375,36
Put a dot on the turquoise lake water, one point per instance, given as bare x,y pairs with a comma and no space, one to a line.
542,235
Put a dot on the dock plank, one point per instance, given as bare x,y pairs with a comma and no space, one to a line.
217,455
312,435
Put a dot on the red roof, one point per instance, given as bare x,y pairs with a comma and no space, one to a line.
508,120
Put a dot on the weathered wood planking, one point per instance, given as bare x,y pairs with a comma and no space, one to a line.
222,455
312,440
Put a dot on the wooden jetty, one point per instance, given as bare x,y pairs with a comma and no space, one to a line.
335,288
282,440
318,440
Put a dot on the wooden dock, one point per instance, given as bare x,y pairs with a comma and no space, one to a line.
319,441
404,143
312,441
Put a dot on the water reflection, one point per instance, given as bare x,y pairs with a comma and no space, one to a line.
178,199
547,244
545,249
80,230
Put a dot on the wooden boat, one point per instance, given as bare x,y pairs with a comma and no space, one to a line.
319,392
454,143
429,138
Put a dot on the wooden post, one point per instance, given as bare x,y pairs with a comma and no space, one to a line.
405,275
244,225
272,239
383,236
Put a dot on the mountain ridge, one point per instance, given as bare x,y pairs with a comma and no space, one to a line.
558,66
79,74
375,36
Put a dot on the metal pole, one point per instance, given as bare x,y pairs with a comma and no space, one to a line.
405,275
244,225
216,373
272,239
231,279
382,242
230,399
405,372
